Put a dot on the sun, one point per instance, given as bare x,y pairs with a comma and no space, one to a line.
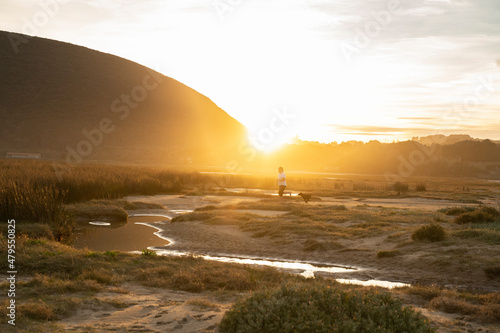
266,141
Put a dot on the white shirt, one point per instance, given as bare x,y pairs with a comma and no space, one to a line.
282,179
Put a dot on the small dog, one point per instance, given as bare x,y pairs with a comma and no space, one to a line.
304,196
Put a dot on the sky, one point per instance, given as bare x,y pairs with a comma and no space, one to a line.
324,71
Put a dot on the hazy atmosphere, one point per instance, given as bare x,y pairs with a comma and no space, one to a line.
240,166
340,70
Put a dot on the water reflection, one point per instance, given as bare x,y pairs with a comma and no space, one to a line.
99,223
307,270
137,234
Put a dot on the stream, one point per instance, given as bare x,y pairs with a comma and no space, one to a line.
138,234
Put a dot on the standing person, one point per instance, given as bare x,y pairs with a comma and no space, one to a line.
281,181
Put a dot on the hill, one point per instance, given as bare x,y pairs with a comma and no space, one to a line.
443,139
70,102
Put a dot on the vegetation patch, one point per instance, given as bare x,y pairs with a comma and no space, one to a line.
430,232
421,187
202,304
311,245
33,231
483,307
455,211
305,308
492,272
388,254
479,215
487,233
98,211
486,312
193,216
401,188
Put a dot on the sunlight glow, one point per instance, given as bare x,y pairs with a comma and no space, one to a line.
255,56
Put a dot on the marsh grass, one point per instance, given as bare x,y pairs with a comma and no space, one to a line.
486,233
98,211
203,304
492,272
64,279
478,215
455,211
31,230
320,308
482,307
318,227
317,245
431,233
388,254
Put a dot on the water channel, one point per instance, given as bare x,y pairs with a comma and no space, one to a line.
139,233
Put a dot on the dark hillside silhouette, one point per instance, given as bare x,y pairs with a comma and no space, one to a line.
63,100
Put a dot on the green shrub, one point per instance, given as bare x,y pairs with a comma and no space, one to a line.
430,232
388,254
305,308
148,252
454,211
477,216
490,210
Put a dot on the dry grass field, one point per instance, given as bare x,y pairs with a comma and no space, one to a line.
441,236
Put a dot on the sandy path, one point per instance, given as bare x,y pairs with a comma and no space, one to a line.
146,309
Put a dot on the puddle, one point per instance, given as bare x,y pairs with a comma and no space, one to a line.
374,283
136,235
181,211
99,223
304,269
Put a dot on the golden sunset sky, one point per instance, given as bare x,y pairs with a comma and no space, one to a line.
321,70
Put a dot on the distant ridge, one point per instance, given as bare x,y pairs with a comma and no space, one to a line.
73,103
442,139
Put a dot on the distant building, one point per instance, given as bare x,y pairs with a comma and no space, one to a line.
35,156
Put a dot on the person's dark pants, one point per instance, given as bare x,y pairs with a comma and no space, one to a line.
281,190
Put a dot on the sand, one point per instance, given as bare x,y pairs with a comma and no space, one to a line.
151,310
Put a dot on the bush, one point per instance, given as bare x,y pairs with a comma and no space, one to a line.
490,210
318,245
478,216
400,187
454,211
388,254
421,187
148,252
306,308
492,272
430,232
